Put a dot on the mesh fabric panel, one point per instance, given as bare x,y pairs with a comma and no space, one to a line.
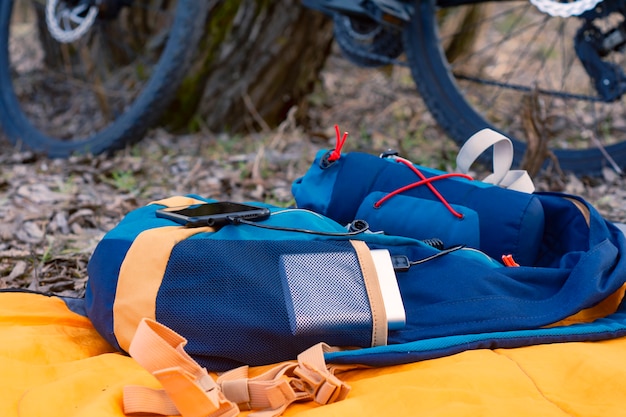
233,300
327,293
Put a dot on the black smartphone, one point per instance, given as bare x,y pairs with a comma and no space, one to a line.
212,214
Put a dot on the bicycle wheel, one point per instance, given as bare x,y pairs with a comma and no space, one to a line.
516,62
100,92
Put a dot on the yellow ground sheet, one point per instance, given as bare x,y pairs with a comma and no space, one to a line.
53,363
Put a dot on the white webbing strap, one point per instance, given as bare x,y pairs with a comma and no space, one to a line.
190,391
502,175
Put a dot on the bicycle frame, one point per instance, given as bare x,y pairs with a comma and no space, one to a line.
389,12
398,12
395,13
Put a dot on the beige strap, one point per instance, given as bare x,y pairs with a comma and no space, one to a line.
190,391
266,391
189,387
324,387
374,294
272,392
502,175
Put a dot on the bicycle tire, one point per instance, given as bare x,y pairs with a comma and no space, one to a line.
127,124
458,96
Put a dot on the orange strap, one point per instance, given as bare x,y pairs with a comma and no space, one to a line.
189,390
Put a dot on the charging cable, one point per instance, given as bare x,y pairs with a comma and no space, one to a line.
356,227
402,263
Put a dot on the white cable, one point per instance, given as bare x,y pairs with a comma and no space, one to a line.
573,8
68,25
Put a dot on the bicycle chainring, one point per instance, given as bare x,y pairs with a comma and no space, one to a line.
69,21
565,9
365,42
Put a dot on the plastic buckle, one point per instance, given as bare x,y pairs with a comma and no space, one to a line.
389,153
280,394
325,162
326,388
331,390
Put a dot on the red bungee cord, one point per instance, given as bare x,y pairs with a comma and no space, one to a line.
427,182
340,140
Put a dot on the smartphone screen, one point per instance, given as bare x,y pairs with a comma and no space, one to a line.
209,209
212,214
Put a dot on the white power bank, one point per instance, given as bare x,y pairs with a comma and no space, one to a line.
392,299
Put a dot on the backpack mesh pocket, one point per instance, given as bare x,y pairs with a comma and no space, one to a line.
259,302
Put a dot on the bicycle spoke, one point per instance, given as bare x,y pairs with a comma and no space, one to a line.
520,72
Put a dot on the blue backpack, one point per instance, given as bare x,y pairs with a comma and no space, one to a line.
385,261
246,294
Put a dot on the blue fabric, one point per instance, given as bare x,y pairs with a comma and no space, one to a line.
609,327
235,307
450,296
226,291
568,265
510,222
421,219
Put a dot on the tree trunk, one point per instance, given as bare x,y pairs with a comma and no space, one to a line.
257,60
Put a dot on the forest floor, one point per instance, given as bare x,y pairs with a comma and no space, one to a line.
54,212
